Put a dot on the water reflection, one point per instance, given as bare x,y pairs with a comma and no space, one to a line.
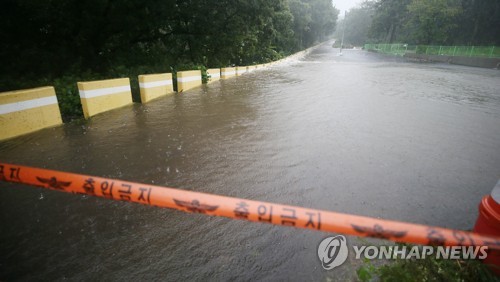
361,134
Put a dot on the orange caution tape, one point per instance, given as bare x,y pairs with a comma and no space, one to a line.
235,208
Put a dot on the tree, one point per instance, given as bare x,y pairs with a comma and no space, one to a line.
357,24
324,18
302,19
433,21
53,38
448,22
389,18
479,23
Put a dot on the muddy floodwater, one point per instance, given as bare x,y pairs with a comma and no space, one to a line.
360,133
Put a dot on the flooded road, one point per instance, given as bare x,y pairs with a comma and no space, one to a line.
358,133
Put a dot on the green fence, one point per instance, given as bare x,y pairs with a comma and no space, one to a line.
463,51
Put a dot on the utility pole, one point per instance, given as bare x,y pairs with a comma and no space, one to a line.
343,32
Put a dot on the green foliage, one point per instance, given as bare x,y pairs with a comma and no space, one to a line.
388,20
437,22
367,271
64,41
428,269
68,97
357,25
55,36
432,21
479,23
204,74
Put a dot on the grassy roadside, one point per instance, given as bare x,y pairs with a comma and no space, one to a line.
428,269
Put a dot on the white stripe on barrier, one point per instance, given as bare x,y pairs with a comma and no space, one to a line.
104,91
153,84
26,105
214,75
228,73
189,79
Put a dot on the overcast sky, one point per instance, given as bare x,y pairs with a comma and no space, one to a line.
344,5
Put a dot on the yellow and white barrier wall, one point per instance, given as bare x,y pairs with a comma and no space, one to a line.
213,74
188,79
153,86
104,95
241,70
251,68
227,72
29,110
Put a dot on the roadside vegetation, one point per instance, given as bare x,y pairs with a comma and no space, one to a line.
428,269
423,22
60,42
